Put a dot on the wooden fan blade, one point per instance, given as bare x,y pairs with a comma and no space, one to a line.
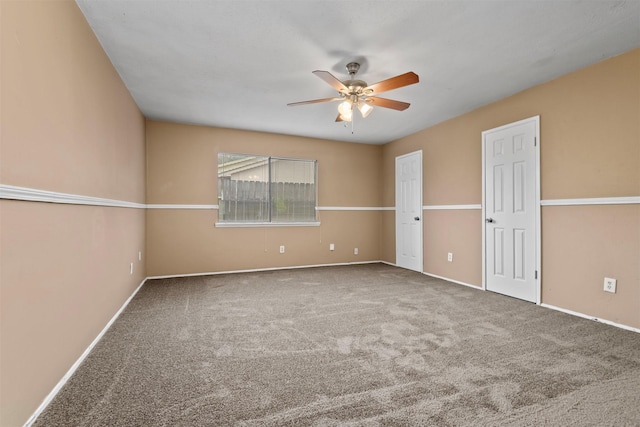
396,82
313,101
388,103
334,82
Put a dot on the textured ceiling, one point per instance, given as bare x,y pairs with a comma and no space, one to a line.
237,63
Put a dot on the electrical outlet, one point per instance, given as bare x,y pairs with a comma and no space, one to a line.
610,285
450,257
355,251
332,247
282,249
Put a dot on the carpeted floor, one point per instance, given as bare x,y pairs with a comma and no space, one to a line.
363,345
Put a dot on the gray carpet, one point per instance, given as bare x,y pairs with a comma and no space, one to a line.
365,345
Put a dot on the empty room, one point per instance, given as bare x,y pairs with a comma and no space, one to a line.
323,213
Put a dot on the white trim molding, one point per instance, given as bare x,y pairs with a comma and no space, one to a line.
478,287
595,319
435,276
450,207
172,206
12,192
354,208
632,200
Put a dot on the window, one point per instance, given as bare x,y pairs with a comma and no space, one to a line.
265,190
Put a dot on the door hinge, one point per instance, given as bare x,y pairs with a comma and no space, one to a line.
536,274
535,141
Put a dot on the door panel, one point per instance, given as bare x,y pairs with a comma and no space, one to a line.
498,188
519,182
409,211
510,210
519,254
498,249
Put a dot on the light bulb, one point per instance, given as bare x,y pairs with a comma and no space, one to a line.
365,109
345,109
346,118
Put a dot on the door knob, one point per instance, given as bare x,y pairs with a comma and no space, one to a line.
417,218
490,220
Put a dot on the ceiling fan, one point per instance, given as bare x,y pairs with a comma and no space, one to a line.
357,94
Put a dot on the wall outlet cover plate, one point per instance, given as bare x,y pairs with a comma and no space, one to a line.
610,285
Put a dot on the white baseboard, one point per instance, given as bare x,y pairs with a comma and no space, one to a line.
254,270
549,306
596,319
439,277
453,281
83,356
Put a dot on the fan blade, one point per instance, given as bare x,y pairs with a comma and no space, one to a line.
313,101
388,103
396,82
334,82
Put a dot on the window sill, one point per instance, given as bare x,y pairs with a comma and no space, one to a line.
266,224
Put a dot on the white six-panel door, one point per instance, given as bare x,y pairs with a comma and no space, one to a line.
511,209
409,211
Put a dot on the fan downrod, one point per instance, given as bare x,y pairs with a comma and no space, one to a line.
352,68
355,86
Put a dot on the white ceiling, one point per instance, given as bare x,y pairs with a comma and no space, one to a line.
237,63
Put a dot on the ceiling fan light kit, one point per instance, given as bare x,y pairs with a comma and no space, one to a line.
346,110
356,93
365,109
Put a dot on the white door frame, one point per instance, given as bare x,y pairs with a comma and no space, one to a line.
420,209
536,120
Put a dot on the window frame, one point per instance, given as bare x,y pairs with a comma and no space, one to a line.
270,223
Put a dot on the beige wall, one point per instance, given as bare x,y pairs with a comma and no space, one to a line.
590,148
68,124
583,244
454,231
452,170
181,169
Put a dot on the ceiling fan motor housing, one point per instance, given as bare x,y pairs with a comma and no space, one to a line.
355,86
